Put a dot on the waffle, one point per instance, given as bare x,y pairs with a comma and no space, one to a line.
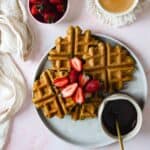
117,56
86,110
82,42
61,54
95,57
118,76
112,65
75,43
48,99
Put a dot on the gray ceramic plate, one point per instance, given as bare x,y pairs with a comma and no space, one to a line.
88,133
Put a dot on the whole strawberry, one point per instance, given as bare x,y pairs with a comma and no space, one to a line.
34,10
55,1
35,1
49,17
60,8
92,86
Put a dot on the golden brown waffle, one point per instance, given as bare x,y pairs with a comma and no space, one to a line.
64,46
112,65
60,63
86,110
75,43
95,57
47,98
118,76
61,54
82,41
117,56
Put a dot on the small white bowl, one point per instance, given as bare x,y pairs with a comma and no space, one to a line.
58,21
117,14
115,97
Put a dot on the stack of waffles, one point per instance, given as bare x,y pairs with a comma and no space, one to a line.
112,65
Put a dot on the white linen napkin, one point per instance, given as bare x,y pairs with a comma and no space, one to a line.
15,34
116,21
15,37
4,127
13,93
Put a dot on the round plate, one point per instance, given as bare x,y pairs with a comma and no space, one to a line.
88,133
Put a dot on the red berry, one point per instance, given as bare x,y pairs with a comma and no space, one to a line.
92,86
73,76
69,90
79,96
83,79
35,1
76,64
61,82
34,10
55,1
49,17
60,8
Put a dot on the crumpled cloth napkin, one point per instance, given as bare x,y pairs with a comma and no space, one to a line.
13,93
4,128
15,37
15,34
116,21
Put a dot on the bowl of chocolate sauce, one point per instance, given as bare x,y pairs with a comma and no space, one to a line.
125,110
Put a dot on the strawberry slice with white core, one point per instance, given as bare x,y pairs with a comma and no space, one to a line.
79,96
76,64
83,79
69,90
61,82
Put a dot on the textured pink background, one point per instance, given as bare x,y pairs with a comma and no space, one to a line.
27,132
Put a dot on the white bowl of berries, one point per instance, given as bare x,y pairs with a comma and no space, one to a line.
48,11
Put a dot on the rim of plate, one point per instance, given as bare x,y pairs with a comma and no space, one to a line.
115,40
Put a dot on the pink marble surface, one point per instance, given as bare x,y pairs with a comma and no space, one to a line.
27,132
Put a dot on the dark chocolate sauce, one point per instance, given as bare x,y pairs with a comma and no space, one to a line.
124,112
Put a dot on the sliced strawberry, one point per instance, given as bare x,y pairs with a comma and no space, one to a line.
92,86
83,79
60,8
34,10
76,64
69,90
79,96
55,1
73,76
61,82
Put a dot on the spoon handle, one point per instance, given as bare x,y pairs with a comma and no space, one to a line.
119,135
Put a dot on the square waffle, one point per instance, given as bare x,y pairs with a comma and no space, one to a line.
117,56
48,99
83,41
118,76
95,57
112,65
61,54
75,43
86,110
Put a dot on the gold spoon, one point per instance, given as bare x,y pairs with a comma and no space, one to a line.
119,135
